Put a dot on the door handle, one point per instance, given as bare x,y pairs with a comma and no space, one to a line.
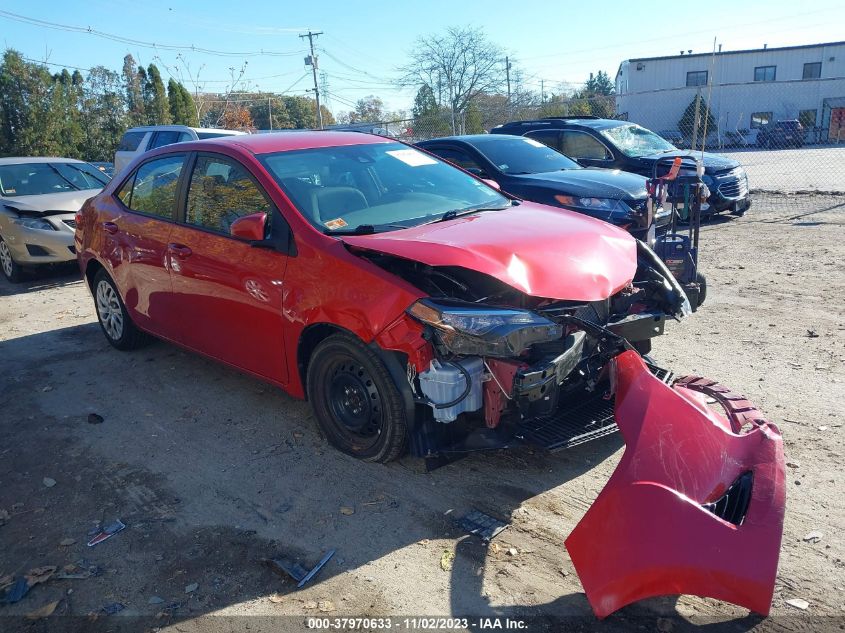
110,227
181,251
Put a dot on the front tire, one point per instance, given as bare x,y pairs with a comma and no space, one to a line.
113,316
11,269
357,404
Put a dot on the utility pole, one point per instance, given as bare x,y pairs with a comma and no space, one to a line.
313,62
270,112
542,91
508,75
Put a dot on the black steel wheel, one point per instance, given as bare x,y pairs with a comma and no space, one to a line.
357,404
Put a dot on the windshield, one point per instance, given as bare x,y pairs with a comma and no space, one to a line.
522,155
204,135
34,179
633,140
382,185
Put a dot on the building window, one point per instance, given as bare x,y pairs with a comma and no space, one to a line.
807,118
759,119
764,73
697,78
813,70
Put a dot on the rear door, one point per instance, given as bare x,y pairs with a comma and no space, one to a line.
228,292
136,242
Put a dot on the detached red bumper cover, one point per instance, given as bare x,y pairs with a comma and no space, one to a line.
696,504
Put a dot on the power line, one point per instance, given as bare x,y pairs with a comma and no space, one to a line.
313,60
125,40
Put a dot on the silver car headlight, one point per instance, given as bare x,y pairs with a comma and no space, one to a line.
39,224
484,331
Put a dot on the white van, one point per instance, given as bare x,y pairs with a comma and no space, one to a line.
138,140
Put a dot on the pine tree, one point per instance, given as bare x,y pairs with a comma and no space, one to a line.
156,106
133,85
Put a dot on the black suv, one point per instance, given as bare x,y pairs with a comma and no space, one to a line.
789,133
595,142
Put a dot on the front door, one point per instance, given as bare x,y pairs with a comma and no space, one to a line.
227,291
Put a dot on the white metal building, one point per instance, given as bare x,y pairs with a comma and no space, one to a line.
749,88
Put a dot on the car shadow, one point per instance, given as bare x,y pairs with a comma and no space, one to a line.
42,278
213,471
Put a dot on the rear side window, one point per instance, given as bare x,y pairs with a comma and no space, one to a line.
168,138
221,191
130,141
153,187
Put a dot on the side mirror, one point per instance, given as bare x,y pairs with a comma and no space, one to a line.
492,183
249,227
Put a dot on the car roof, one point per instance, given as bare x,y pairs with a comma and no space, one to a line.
179,128
20,160
470,138
287,141
552,123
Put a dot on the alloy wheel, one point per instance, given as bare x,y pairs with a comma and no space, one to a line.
109,310
6,259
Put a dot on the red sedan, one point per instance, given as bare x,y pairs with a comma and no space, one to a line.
415,306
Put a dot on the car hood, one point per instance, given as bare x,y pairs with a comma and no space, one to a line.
593,183
712,162
542,251
66,201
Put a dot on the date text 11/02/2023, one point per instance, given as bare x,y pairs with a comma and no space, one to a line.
416,623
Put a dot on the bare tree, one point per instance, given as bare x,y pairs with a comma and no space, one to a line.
458,65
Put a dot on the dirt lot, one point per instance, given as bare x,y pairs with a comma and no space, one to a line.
211,470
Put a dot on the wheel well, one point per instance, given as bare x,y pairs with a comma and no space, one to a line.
310,338
91,271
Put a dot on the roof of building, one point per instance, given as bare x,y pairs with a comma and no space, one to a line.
739,52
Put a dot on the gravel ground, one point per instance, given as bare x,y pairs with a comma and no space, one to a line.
212,470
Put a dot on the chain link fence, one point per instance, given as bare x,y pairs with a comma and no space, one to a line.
795,159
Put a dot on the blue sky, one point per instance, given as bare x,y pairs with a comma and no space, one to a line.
362,44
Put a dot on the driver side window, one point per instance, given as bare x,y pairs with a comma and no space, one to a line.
220,192
582,145
459,158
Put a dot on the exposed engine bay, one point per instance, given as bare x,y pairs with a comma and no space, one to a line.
501,352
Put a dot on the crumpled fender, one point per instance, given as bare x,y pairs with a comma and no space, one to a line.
648,532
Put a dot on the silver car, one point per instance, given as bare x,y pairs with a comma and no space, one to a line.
39,198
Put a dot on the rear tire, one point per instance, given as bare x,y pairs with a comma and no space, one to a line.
358,406
112,315
11,269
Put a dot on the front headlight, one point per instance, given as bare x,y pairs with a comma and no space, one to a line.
36,223
599,204
483,331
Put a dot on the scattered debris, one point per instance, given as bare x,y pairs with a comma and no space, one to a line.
40,574
347,510
94,418
16,591
512,551
155,600
798,603
814,537
192,587
49,482
447,559
481,525
295,570
494,547
822,428
325,606
107,532
563,572
46,388
812,334
67,542
424,542
793,464
75,572
277,598
112,608
44,611
311,604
